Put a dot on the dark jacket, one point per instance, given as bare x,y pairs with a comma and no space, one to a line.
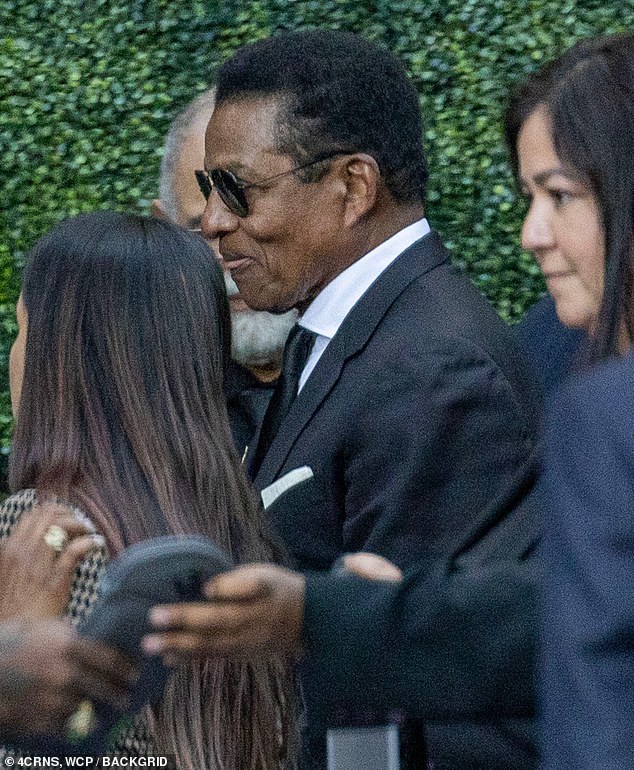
412,422
588,495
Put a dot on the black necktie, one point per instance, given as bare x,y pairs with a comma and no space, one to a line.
296,351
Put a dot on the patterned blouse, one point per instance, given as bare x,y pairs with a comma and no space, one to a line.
84,591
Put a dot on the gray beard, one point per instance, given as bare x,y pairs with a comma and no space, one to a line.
258,337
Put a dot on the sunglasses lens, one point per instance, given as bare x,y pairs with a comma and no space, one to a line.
230,192
203,183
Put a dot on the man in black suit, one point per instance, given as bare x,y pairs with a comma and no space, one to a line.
413,406
257,338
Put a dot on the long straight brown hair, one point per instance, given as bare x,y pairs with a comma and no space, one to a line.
122,414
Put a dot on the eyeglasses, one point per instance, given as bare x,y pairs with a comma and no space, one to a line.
231,189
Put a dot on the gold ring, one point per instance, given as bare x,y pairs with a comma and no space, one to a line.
81,722
56,538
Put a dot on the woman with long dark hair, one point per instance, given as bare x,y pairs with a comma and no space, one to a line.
570,133
570,129
116,380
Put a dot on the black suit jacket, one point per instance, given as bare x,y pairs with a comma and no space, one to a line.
455,647
412,421
416,413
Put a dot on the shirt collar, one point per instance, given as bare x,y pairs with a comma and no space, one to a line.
327,311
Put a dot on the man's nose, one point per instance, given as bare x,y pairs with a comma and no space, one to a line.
217,220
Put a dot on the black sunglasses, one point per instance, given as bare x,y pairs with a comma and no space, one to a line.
231,189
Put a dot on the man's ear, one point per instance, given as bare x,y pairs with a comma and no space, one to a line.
157,210
362,181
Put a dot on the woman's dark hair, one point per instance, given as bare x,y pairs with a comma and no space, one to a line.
122,414
337,91
588,94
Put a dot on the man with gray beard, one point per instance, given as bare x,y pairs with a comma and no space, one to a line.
257,337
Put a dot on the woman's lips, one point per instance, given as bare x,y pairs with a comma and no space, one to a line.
556,275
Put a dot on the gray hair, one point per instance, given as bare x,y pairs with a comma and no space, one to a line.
179,130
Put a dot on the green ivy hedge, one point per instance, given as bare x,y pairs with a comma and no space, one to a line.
89,88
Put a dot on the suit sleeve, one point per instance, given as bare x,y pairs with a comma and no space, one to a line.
435,435
445,646
588,650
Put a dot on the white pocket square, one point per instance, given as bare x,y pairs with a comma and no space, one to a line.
288,481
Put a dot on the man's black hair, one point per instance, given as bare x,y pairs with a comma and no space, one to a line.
337,90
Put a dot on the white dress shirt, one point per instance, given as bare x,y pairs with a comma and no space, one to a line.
328,310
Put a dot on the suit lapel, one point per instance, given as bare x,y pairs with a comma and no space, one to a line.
352,336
